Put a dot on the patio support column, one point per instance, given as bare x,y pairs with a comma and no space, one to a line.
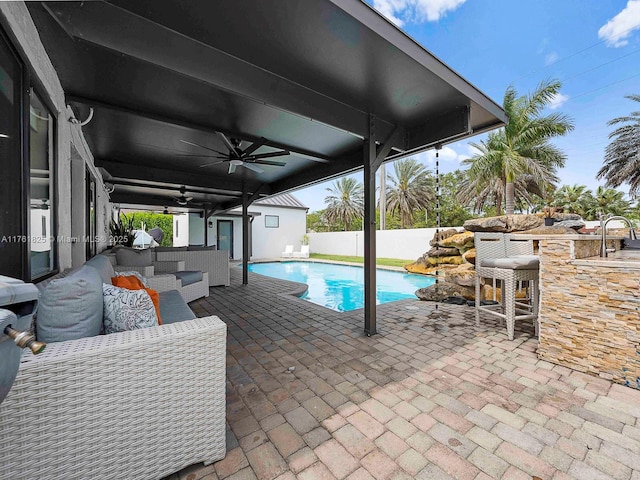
245,238
369,225
373,158
206,227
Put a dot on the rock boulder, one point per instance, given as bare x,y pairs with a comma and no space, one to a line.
470,256
442,252
441,290
464,275
574,224
442,234
553,230
504,223
462,241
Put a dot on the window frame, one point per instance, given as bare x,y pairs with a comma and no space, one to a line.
268,225
91,228
29,82
35,87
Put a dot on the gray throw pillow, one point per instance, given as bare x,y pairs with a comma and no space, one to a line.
71,307
142,279
131,257
103,265
127,309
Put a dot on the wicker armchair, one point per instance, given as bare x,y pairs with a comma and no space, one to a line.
213,262
140,404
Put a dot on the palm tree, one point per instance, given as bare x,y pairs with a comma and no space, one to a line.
572,198
346,202
622,158
410,189
608,200
522,147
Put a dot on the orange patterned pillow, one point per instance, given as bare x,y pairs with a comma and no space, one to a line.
132,282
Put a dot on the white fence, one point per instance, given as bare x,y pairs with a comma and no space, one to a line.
404,244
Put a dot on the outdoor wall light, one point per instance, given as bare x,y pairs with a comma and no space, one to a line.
82,124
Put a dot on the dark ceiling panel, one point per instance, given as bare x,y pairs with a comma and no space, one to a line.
333,53
307,76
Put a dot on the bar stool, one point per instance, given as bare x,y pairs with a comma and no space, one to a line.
509,260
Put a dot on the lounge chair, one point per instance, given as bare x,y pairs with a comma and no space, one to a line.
303,253
288,251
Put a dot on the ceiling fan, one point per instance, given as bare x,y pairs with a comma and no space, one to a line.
182,200
238,157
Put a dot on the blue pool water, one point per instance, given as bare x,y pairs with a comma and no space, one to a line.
341,287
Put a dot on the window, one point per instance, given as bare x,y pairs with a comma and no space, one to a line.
41,154
27,157
13,259
90,210
271,221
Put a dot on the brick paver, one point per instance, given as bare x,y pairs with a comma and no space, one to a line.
432,396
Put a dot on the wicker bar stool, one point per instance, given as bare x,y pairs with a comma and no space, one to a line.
509,260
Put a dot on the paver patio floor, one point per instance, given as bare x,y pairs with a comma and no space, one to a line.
309,396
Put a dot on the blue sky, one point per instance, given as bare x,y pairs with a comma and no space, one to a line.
592,46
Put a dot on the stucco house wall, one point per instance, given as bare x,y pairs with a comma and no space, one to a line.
70,143
267,240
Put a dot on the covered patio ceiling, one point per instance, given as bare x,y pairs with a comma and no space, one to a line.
314,78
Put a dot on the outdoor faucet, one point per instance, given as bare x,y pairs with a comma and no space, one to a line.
603,227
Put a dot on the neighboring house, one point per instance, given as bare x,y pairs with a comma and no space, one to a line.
275,222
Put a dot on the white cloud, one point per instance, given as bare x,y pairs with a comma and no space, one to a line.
551,58
415,11
447,154
557,101
617,30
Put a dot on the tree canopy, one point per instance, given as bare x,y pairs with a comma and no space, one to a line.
410,188
622,158
345,202
519,158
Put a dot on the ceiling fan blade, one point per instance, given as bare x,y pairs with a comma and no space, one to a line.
270,162
228,144
254,146
251,166
232,168
202,146
209,164
279,153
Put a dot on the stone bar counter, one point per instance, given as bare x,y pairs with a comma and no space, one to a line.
590,306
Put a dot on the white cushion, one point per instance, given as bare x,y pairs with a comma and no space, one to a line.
517,262
127,309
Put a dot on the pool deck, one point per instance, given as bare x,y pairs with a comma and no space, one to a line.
430,397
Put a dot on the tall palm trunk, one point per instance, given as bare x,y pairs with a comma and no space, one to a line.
510,197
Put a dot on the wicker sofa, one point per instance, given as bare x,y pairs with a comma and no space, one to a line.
208,259
192,283
139,404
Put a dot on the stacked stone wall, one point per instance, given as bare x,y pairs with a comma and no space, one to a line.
589,315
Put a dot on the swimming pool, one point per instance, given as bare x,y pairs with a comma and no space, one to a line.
341,287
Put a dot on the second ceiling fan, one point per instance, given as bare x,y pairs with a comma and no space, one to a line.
238,157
